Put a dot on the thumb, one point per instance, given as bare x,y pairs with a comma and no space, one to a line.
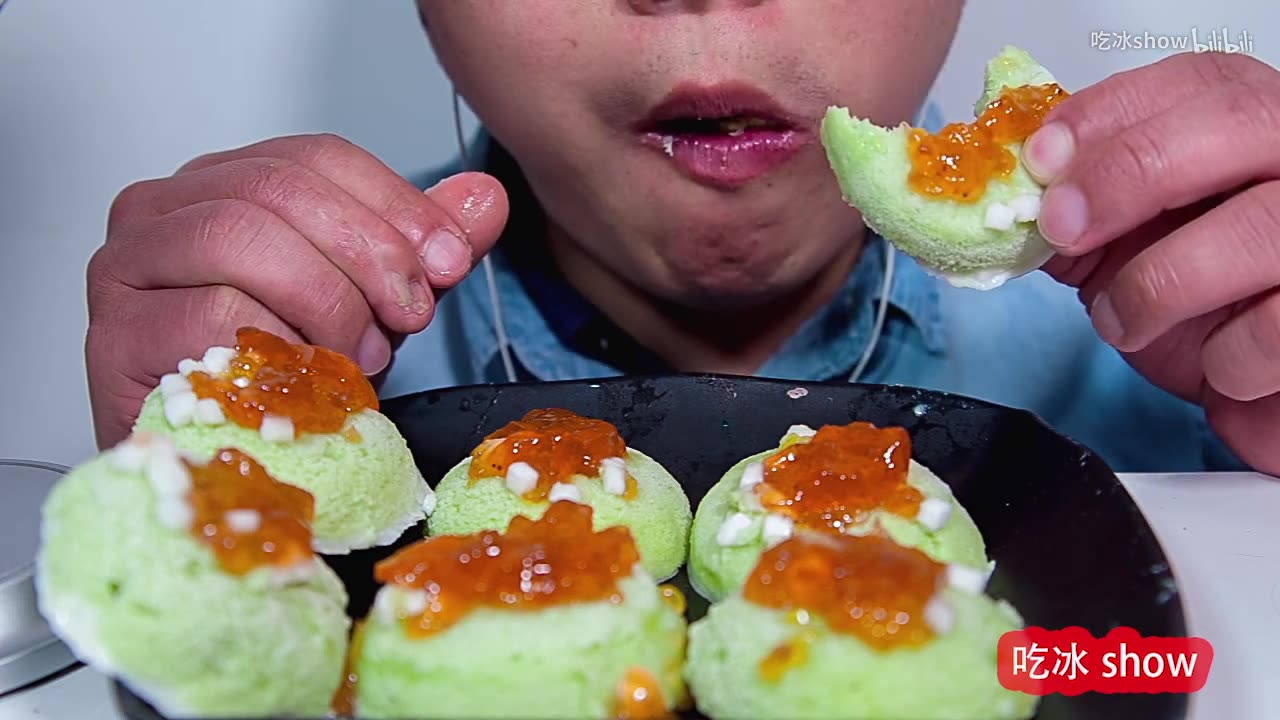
472,211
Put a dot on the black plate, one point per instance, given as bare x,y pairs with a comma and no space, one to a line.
1070,546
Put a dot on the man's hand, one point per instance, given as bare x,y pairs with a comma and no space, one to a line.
1164,205
308,237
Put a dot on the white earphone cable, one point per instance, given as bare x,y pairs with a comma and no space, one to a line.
878,326
495,304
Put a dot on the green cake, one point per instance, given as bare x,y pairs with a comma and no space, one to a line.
501,659
368,490
978,244
731,527
749,659
123,580
658,515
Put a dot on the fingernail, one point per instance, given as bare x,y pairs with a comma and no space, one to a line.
1105,320
411,296
374,351
445,254
1064,215
1048,152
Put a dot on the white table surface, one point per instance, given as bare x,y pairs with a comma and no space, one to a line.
1222,535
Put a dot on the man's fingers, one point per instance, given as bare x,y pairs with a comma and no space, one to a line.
237,243
450,227
1131,97
476,206
368,250
1197,150
1239,356
1226,256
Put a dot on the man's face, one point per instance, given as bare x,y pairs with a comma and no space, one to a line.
675,141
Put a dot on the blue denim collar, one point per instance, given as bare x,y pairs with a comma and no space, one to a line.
547,321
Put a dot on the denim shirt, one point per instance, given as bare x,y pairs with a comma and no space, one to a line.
1027,345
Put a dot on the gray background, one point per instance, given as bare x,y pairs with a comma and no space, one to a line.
94,95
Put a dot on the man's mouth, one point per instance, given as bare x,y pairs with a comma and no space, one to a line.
723,135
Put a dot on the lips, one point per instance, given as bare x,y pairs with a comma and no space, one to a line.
723,135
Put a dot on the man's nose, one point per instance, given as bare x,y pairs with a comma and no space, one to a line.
661,7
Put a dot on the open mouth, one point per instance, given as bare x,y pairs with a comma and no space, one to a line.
731,126
723,135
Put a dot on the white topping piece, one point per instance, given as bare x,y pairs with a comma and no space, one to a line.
276,428
429,503
384,604
564,491
129,456
1026,208
413,602
241,382
999,216
172,384
167,475
752,475
801,431
243,521
934,513
217,360
209,412
180,409
294,574
175,513
939,615
970,580
777,528
188,366
613,475
735,530
521,478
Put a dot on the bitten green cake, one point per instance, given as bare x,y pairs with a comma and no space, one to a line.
195,583
838,626
311,418
960,202
555,454
847,479
550,619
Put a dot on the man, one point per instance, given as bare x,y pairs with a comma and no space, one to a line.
710,254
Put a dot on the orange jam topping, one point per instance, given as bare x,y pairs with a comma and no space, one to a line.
558,444
672,596
840,476
248,518
870,587
344,699
639,697
315,388
556,560
959,161
785,657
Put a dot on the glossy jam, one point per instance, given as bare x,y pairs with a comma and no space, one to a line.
315,388
959,161
639,697
840,476
233,481
672,596
535,564
786,657
559,444
869,587
344,700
